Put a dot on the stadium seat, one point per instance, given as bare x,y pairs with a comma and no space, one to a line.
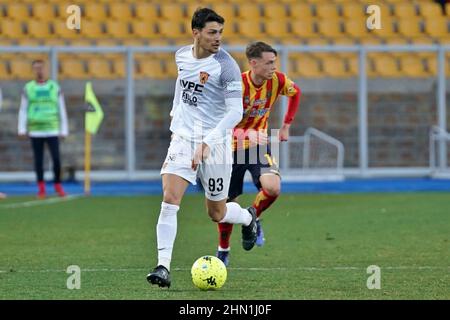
20,69
386,66
436,27
277,30
172,11
405,10
334,66
275,11
330,28
387,29
54,42
17,11
250,28
353,10
171,70
109,43
227,11
249,11
4,73
409,27
356,28
60,29
146,11
413,66
121,11
44,11
171,29
307,67
300,12
100,69
95,11
12,29
150,68
72,69
38,29
328,11
92,29
144,29
118,29
119,68
431,10
303,29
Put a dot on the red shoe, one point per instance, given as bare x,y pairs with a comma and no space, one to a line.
59,190
41,194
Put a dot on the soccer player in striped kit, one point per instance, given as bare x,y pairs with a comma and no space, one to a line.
43,118
262,84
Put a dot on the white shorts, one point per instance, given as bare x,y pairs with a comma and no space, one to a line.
214,173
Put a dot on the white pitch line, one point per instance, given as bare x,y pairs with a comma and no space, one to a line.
34,203
237,268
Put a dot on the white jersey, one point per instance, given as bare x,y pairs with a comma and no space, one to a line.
207,92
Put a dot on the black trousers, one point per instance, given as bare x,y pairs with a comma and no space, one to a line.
38,152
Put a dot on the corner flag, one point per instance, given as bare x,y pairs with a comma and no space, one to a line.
94,113
93,119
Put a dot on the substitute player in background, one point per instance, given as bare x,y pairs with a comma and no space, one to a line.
262,85
43,118
207,105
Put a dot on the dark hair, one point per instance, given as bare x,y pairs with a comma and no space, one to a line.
203,15
256,49
37,61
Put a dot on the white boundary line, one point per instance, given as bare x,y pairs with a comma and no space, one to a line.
237,269
35,203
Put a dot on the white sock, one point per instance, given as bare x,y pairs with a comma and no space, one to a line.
219,248
166,231
236,215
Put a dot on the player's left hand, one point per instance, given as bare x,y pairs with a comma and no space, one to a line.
201,154
283,134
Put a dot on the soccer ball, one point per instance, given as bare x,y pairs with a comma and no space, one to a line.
208,273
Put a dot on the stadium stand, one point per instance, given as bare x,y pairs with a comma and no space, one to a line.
160,22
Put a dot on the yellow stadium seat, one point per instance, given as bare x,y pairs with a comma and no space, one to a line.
72,69
330,28
303,29
405,10
92,29
146,11
60,29
275,11
386,66
171,29
12,29
172,11
353,10
430,10
306,66
144,29
249,11
100,68
250,29
121,11
18,11
447,9
226,10
327,11
277,29
409,27
370,40
431,63
118,29
44,11
4,73
150,68
120,68
387,29
20,69
437,27
335,67
54,42
109,43
413,66
171,70
95,11
300,11
356,28
38,29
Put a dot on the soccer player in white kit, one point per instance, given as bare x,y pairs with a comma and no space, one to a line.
207,105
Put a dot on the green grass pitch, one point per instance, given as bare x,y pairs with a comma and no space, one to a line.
318,246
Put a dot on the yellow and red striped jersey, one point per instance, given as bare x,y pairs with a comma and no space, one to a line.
258,101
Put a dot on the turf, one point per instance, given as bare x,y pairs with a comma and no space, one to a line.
318,247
